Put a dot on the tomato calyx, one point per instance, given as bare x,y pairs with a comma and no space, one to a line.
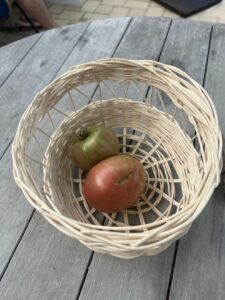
83,135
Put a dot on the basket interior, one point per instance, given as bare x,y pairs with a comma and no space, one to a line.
149,127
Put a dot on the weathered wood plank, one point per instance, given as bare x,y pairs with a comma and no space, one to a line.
47,265
214,81
14,211
200,266
148,278
10,57
11,110
45,58
186,48
117,279
109,39
142,39
137,34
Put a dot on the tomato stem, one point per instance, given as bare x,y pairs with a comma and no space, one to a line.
83,135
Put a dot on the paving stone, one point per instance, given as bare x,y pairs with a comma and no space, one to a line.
71,15
171,14
93,16
135,12
63,22
137,4
155,4
119,12
155,11
104,9
211,19
72,7
90,6
114,2
221,20
194,17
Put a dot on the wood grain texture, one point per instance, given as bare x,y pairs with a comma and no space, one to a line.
186,48
99,41
137,45
200,264
148,278
10,57
36,70
14,211
215,75
94,45
109,38
47,265
113,278
200,259
117,279
142,39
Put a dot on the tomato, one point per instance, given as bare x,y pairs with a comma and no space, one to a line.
93,145
114,184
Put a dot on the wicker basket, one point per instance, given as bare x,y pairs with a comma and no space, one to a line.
160,115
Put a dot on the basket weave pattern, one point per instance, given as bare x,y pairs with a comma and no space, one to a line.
160,115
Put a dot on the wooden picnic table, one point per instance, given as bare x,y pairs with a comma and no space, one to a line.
39,262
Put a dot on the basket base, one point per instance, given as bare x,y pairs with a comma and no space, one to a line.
143,132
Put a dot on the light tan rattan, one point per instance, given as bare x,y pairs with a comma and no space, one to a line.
160,115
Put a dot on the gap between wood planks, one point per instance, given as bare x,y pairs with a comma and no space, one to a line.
1,84
16,246
81,36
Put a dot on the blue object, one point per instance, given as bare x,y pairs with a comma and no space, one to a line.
4,9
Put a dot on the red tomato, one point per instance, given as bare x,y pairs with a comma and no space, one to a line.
114,184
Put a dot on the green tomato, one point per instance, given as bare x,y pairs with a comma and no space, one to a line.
93,145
